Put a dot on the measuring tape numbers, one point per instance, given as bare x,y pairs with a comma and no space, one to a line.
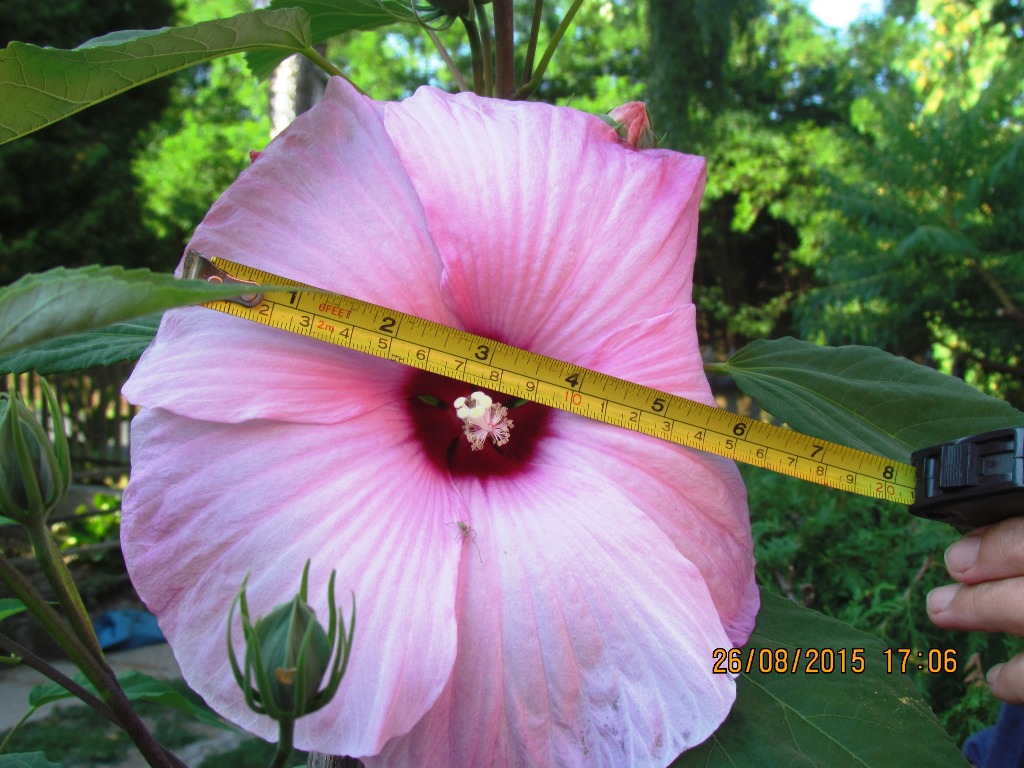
483,362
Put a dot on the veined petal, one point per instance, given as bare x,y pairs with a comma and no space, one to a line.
705,516
328,203
551,229
660,352
209,504
584,638
215,367
697,499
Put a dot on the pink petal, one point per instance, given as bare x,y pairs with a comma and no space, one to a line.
208,504
215,367
581,235
329,204
697,499
585,638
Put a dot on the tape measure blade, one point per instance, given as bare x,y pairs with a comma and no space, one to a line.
370,328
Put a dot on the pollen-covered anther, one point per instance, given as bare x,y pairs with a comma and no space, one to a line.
483,418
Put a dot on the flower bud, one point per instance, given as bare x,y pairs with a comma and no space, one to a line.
34,473
294,652
632,122
287,654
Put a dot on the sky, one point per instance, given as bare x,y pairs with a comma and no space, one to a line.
839,13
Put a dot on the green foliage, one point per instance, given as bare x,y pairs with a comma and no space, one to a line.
83,737
247,754
27,760
849,711
10,606
139,687
870,564
42,307
863,397
329,19
67,194
603,63
102,346
78,735
926,255
39,86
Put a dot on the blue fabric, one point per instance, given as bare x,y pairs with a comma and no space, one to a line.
1002,745
118,630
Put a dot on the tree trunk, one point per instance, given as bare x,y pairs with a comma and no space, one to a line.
296,85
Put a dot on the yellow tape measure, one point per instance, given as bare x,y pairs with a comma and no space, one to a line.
486,363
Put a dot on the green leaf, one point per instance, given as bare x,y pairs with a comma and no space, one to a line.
9,606
868,719
863,397
27,760
39,86
328,18
103,346
44,306
137,687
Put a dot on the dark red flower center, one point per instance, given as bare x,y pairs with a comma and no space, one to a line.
440,432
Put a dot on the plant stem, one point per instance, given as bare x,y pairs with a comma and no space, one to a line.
456,73
505,50
534,82
531,46
286,732
476,53
324,63
485,34
89,660
55,626
43,667
63,586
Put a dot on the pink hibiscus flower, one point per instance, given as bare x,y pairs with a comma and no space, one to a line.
553,601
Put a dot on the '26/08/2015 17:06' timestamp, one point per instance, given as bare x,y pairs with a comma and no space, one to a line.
815,661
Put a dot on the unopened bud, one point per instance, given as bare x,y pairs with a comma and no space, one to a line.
632,122
287,654
293,645
34,472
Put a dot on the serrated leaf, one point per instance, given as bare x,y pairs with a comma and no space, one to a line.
27,760
328,18
44,306
863,397
867,719
39,86
137,687
10,606
103,346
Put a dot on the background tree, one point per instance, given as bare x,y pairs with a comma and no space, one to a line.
67,193
925,256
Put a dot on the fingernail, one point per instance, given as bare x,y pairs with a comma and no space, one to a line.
940,597
993,674
963,554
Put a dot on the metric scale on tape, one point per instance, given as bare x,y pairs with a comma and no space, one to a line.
973,481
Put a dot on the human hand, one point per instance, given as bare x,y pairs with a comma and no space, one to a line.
988,563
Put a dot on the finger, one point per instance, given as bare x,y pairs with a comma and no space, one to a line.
992,606
992,552
1007,680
